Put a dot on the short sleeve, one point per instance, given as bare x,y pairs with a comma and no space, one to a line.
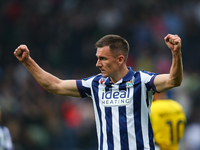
81,88
148,78
84,86
152,84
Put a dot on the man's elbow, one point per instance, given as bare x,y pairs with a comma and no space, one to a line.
177,83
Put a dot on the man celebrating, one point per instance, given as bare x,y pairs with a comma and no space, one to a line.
121,97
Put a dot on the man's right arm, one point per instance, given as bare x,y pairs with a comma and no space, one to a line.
48,81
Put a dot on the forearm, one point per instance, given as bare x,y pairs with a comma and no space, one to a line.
45,79
176,70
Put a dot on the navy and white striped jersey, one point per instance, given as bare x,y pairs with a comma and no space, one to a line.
5,139
122,110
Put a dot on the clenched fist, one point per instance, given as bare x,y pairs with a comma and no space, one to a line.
22,53
173,42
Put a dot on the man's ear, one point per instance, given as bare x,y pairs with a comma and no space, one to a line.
120,59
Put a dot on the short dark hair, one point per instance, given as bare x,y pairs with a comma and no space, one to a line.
116,43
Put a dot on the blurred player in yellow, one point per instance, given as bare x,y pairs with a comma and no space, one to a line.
168,122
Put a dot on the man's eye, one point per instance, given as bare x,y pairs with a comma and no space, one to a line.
103,58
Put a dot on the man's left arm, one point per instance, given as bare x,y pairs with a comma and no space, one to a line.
164,82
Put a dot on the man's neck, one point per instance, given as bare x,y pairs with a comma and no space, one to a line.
120,74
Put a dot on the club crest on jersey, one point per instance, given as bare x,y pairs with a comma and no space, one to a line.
130,83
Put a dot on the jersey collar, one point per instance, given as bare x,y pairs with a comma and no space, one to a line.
126,78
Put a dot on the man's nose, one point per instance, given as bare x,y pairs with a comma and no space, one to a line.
98,64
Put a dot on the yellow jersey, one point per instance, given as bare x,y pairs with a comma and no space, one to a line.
168,122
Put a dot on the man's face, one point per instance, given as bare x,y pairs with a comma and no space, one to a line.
107,63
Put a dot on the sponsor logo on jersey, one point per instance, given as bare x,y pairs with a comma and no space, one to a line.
172,113
115,98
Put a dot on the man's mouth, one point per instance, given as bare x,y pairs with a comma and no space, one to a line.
102,71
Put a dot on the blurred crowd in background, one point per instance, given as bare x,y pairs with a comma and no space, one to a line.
61,36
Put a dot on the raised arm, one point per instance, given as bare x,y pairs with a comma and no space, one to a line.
46,80
165,82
